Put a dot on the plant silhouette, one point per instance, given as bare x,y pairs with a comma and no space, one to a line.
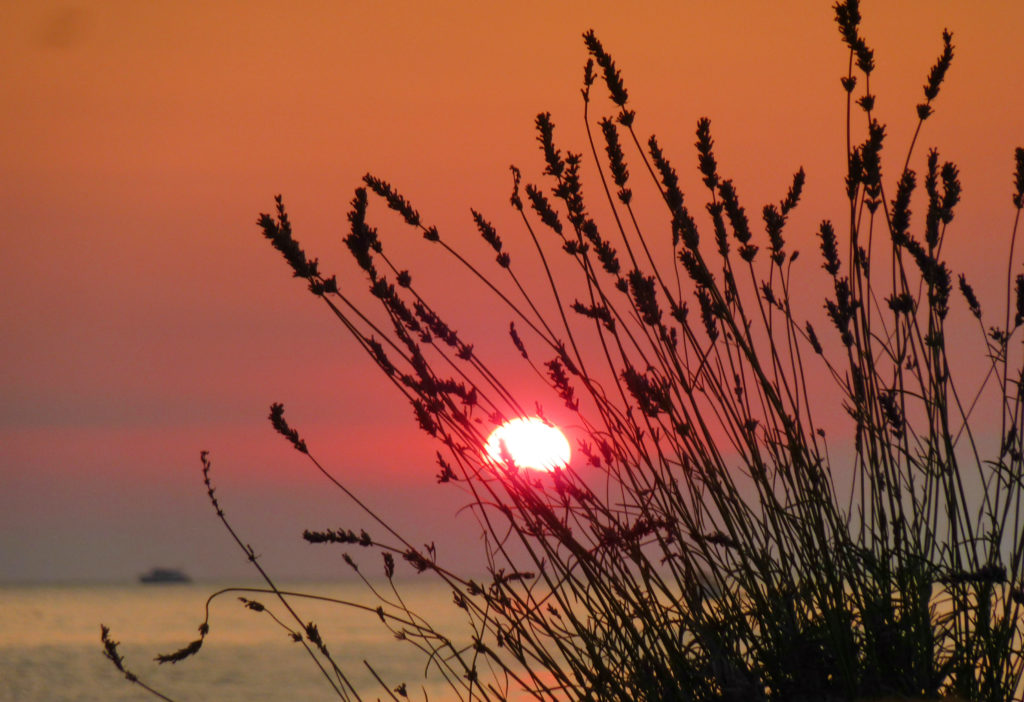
701,545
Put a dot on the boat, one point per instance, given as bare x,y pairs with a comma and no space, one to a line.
164,575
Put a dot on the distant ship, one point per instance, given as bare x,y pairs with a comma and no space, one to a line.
165,575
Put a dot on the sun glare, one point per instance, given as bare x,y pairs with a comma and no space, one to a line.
531,442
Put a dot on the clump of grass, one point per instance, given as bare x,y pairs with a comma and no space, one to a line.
708,545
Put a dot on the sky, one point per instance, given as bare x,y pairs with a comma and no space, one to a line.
144,319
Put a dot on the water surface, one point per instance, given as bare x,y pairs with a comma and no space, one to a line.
50,643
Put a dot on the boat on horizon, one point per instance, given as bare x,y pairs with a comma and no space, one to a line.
165,575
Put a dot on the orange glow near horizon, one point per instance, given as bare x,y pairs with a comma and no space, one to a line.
531,443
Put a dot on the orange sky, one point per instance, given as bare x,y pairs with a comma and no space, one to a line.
144,319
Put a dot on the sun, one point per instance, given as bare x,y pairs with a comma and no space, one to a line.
531,442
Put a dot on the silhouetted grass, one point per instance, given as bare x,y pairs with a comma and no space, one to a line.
701,546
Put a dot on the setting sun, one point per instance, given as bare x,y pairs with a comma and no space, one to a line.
531,442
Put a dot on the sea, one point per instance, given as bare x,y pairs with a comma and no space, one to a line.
50,649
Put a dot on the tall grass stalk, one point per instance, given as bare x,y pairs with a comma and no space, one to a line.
706,544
